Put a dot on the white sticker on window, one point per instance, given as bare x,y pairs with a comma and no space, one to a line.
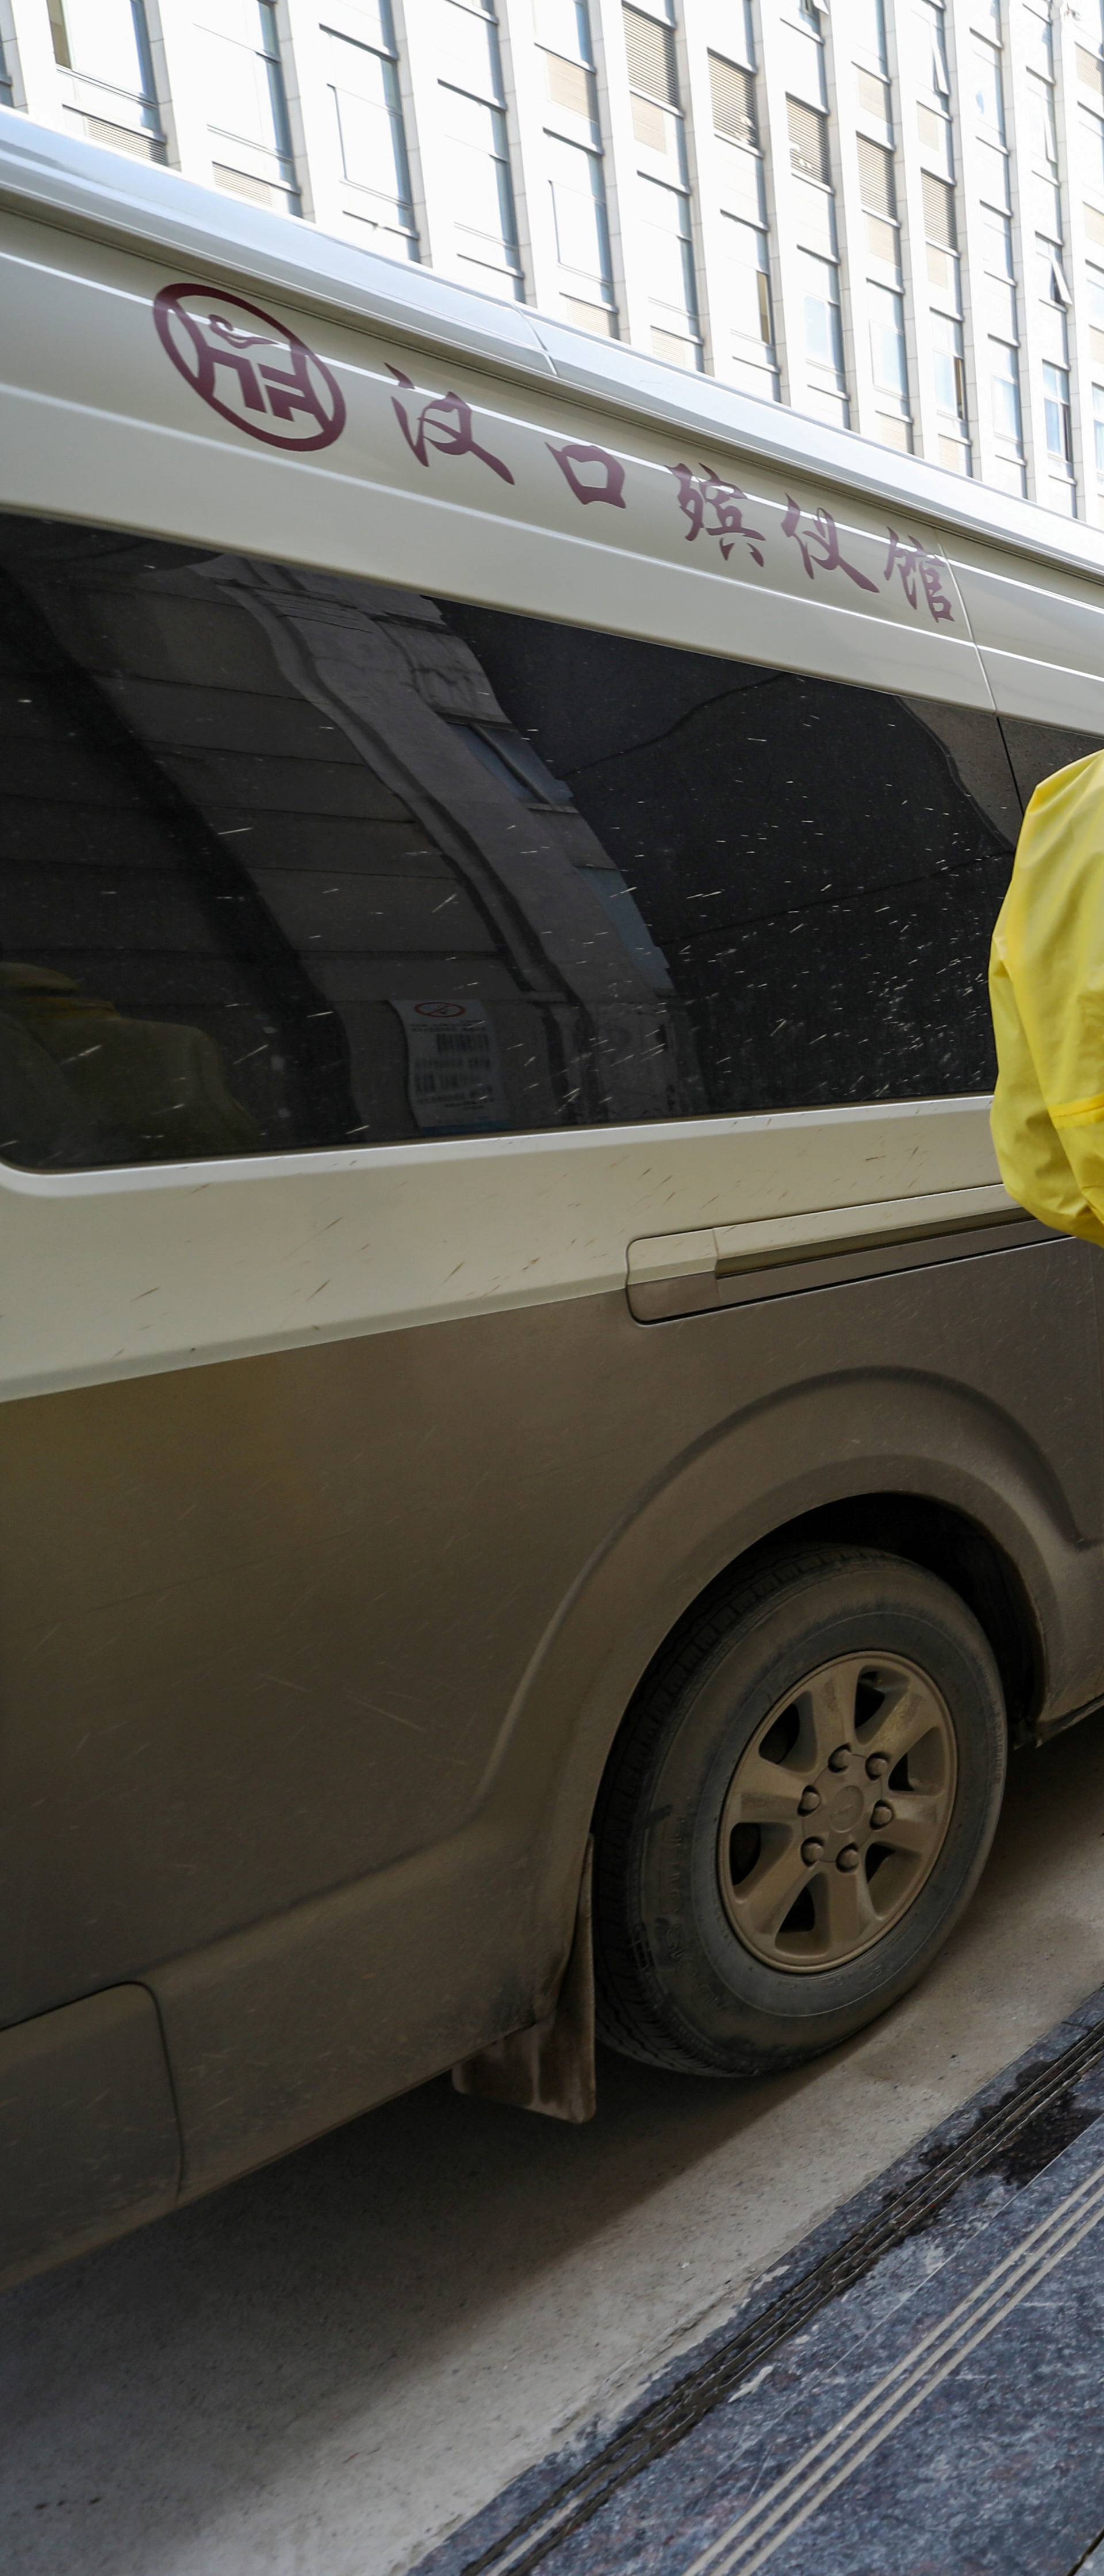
453,1072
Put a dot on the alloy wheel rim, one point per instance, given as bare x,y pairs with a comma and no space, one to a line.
837,1812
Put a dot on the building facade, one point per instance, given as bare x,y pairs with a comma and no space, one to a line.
888,213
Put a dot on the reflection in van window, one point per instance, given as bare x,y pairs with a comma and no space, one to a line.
821,864
292,860
1037,750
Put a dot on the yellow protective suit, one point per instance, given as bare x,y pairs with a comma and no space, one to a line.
113,1088
1046,990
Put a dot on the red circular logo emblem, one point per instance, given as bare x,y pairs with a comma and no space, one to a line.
253,371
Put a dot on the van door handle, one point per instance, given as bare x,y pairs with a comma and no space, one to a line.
678,1274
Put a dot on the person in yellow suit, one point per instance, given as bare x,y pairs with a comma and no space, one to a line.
1046,990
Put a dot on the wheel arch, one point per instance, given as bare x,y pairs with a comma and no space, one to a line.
936,1475
944,1540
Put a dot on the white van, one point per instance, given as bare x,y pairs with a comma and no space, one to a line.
514,1347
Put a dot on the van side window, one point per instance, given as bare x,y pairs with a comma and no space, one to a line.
290,860
1037,750
820,864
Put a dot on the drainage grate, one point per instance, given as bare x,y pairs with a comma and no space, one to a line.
1016,2138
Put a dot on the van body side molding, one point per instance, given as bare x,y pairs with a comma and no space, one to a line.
699,1272
89,2143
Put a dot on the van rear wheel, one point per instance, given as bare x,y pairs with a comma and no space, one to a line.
795,1813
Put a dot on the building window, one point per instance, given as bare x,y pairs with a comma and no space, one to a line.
564,27
879,198
814,210
732,90
988,100
868,30
663,191
1094,296
1092,152
751,318
669,263
936,135
1053,287
102,51
878,191
582,233
1098,431
1090,69
1001,309
742,192
1044,139
942,242
938,78
950,369
1045,205
809,154
882,231
996,235
997,306
802,56
887,341
1006,393
820,297
1056,408
243,76
653,81
476,148
575,165
1089,60
1001,313
875,101
363,78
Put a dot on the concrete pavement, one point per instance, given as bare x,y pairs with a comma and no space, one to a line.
330,2365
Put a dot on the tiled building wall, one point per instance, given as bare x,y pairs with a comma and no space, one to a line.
888,213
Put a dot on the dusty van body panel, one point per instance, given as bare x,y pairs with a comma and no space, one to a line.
346,1497
309,1749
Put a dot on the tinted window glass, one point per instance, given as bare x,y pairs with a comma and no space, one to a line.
820,864
288,859
1037,750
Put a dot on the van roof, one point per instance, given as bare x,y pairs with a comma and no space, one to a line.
89,189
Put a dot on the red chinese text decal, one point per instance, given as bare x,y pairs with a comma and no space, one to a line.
819,545
446,422
707,503
253,371
713,509
591,473
913,564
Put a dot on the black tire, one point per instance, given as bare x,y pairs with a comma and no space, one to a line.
676,1985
